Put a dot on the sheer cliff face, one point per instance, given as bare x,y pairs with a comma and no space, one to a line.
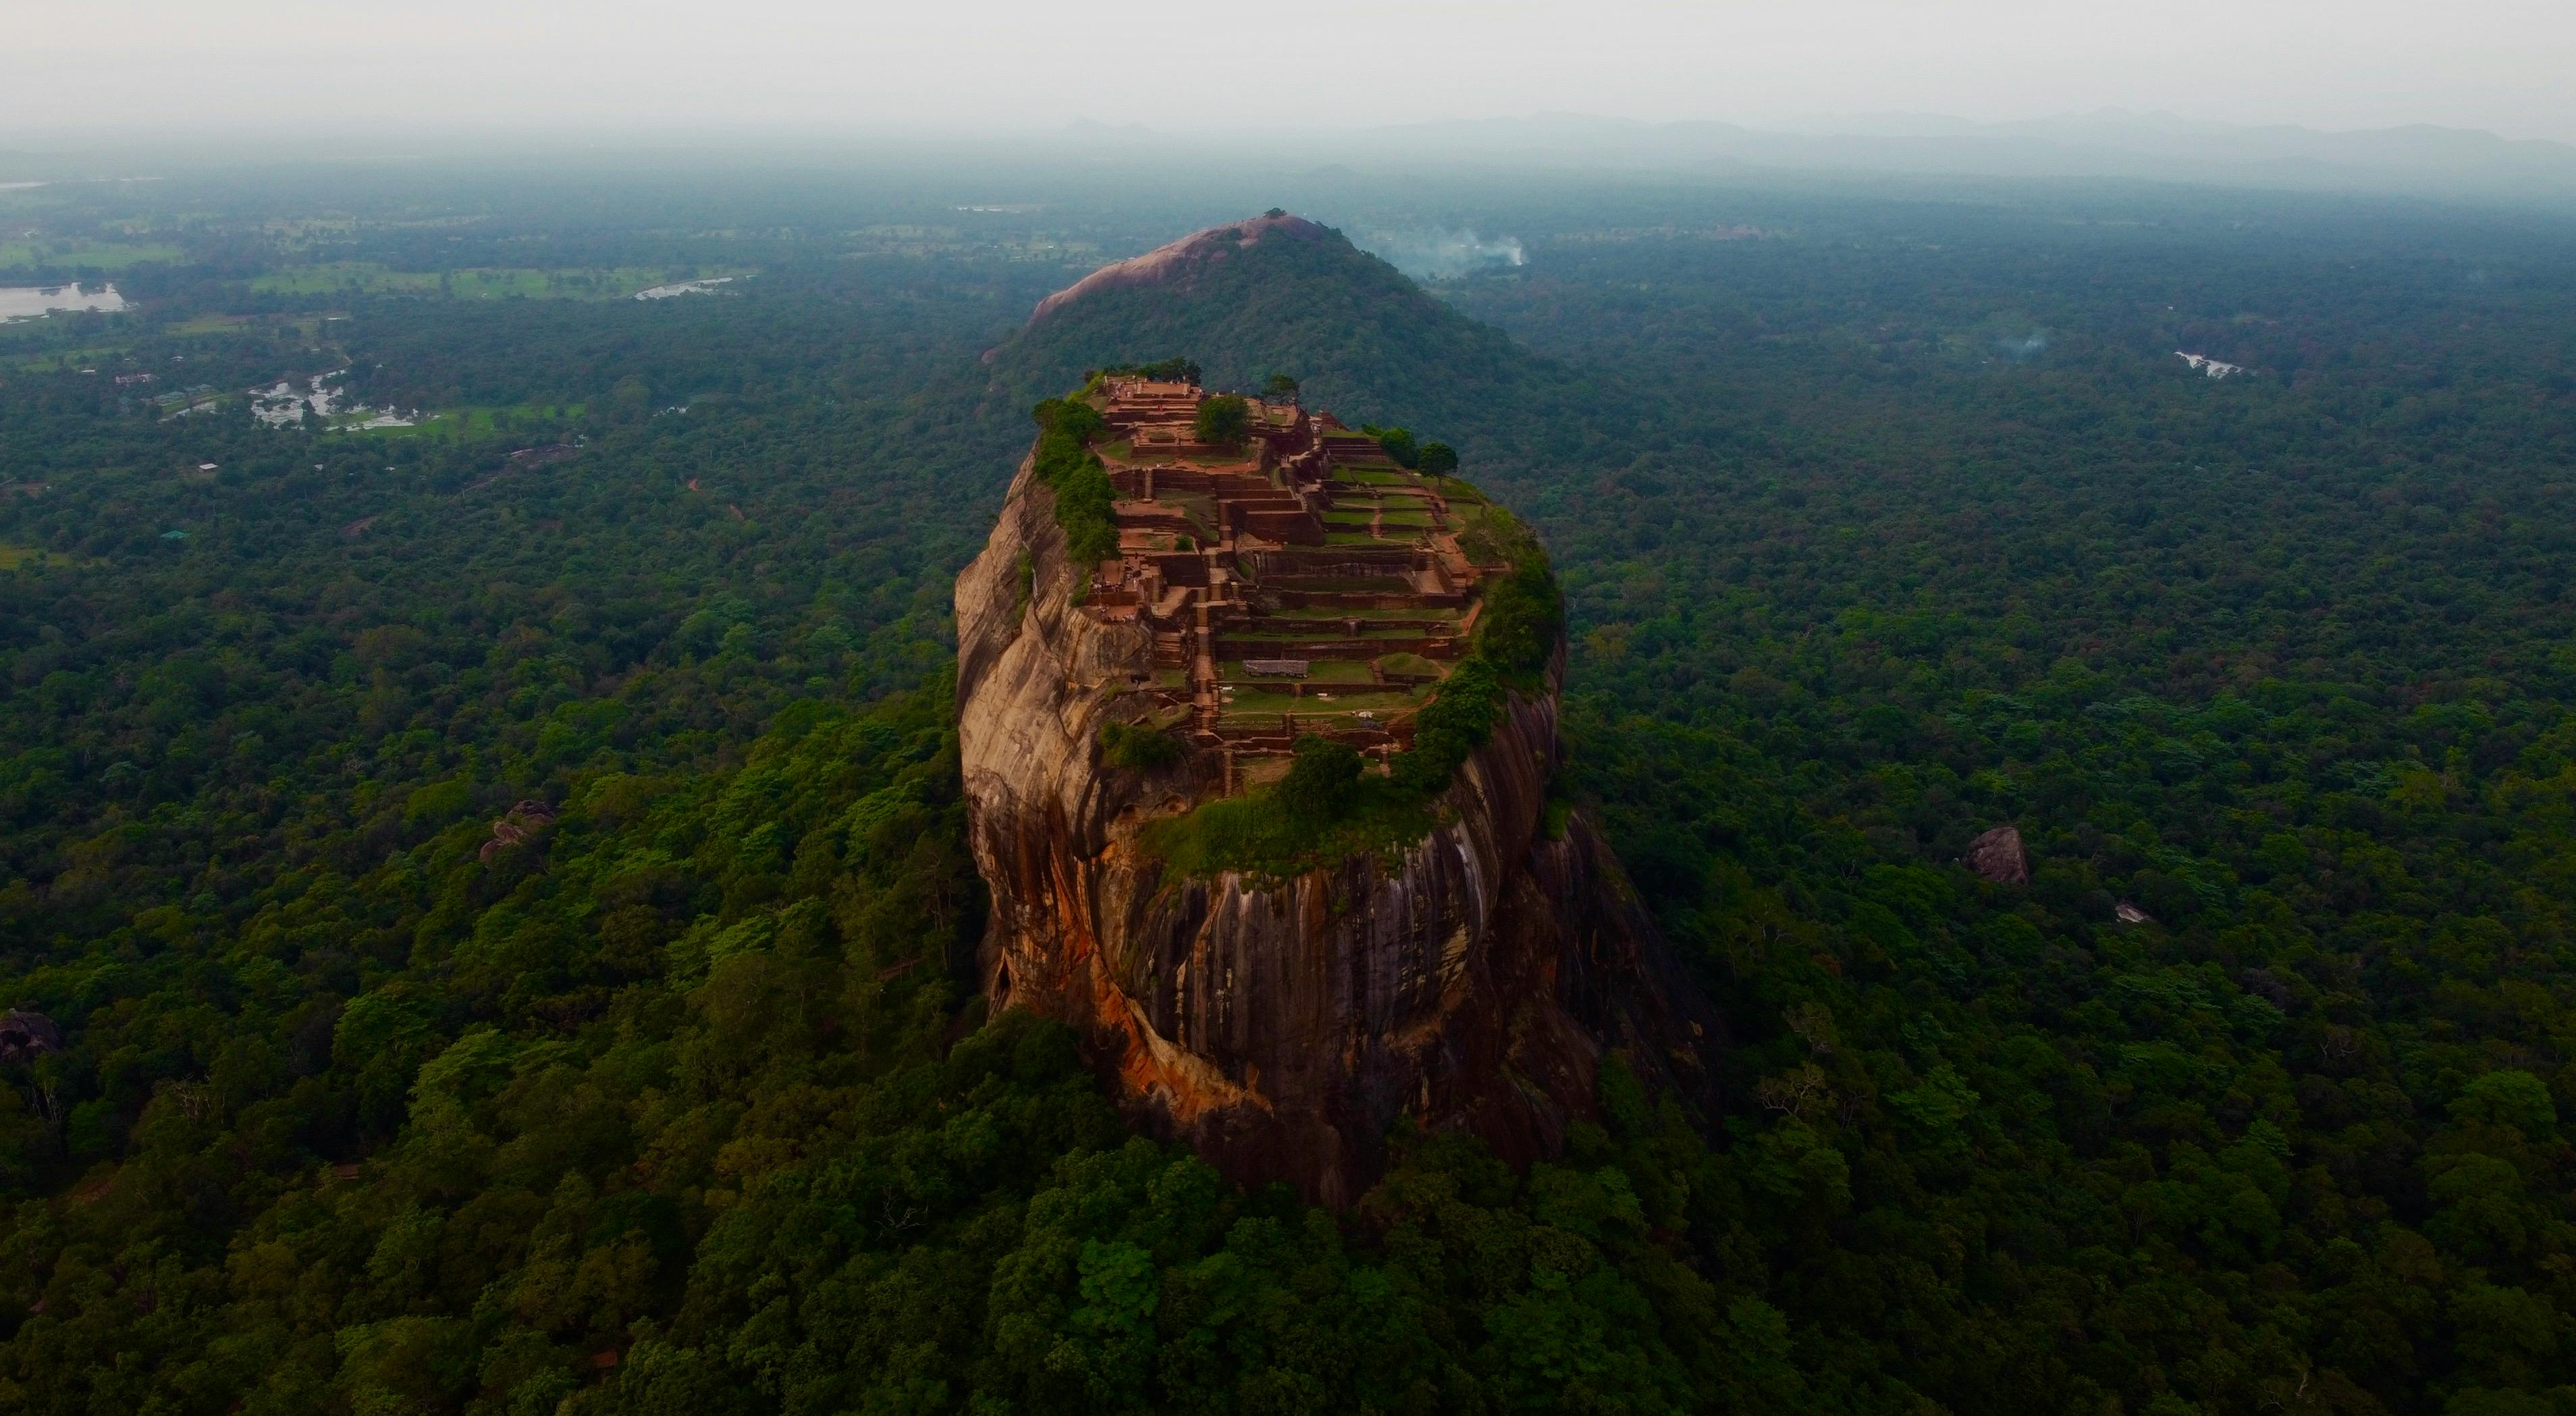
1283,1027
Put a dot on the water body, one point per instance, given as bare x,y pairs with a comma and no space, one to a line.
685,287
28,302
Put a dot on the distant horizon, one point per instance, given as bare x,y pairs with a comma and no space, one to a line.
1016,66
2107,143
286,139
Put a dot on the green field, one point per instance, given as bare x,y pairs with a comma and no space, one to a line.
37,558
51,359
209,324
74,255
447,423
371,278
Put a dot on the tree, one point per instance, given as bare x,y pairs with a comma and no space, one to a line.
1223,420
1321,779
631,401
1439,459
1279,388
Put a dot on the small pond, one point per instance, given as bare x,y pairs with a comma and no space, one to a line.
27,302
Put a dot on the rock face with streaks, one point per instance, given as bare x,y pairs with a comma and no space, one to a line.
1282,1027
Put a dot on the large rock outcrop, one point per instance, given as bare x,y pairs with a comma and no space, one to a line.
1282,1027
1180,263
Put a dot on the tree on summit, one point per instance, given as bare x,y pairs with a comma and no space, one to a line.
1321,780
1223,420
1398,442
1279,388
1439,459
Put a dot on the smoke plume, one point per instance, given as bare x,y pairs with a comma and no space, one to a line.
1441,254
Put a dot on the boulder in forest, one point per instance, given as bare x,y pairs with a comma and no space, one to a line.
25,1036
524,823
1998,856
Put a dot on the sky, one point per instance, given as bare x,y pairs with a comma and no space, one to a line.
829,67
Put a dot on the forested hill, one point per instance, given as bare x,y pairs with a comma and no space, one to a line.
1362,339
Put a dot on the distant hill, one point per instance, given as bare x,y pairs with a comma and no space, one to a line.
1281,294
2417,160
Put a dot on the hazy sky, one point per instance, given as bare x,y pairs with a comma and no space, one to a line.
588,65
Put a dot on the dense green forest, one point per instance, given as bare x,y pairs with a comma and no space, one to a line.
508,919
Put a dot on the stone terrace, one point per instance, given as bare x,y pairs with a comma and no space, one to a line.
1299,584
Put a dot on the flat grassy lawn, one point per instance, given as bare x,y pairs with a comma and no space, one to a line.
1426,613
1286,641
1410,664
211,324
1197,507
1255,706
1324,671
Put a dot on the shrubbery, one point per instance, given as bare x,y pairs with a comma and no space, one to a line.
1452,726
1138,748
1173,370
1322,781
1326,809
1068,466
1524,615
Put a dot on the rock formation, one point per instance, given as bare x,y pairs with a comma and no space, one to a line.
1998,856
522,824
26,1036
1282,1026
1177,262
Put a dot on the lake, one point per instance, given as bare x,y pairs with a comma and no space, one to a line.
27,302
685,287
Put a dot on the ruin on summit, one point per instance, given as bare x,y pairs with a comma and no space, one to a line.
1301,583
